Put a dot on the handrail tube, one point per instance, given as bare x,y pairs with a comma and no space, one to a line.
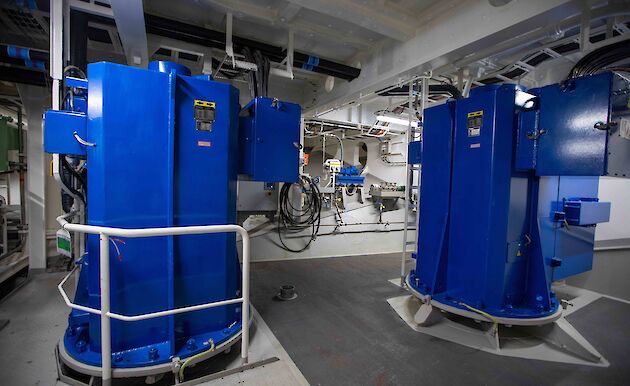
133,318
106,333
67,300
106,314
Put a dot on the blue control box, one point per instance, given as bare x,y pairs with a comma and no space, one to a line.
60,131
269,140
586,211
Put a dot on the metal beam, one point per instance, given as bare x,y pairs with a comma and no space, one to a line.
443,42
91,8
286,15
394,25
129,17
56,49
35,100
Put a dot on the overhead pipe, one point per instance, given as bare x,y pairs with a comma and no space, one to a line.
24,76
433,89
23,56
189,33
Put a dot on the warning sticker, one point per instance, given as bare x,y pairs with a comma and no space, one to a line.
474,122
624,128
205,114
204,143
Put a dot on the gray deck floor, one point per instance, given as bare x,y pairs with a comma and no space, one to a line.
341,331
37,319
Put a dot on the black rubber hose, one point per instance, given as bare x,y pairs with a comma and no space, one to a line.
293,220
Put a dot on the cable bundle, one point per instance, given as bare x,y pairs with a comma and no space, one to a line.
600,58
258,81
294,220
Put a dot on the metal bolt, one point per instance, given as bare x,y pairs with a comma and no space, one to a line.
81,346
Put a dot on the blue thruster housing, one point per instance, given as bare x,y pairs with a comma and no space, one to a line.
162,151
508,199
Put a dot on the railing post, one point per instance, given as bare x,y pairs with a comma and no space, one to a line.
106,339
245,308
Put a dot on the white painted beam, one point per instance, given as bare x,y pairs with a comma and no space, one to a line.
475,25
35,101
394,25
91,7
129,17
286,17
56,48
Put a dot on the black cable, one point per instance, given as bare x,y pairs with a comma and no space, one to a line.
600,58
75,174
251,75
70,69
293,220
66,167
433,89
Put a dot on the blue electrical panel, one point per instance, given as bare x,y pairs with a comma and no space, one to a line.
270,138
571,143
578,128
508,199
63,128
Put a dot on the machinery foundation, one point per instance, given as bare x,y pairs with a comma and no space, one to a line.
550,338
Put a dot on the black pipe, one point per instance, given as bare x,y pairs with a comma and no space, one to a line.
21,63
161,24
433,89
23,53
20,75
178,30
78,39
348,72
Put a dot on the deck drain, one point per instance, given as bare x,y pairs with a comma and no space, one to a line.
287,292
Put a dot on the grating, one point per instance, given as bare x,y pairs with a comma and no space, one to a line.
24,23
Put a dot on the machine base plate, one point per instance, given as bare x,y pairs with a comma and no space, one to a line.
551,339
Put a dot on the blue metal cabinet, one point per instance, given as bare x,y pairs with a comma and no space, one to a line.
60,128
270,139
569,114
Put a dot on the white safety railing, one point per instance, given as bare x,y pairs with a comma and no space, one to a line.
106,314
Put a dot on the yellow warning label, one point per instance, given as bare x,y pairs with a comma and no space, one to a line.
201,103
475,114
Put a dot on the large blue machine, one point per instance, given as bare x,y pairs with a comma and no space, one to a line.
508,199
162,149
